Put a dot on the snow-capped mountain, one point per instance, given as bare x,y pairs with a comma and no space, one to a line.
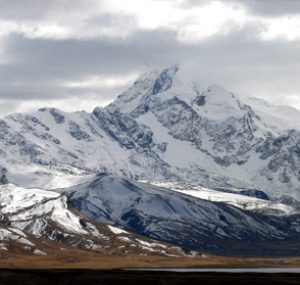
215,132
28,216
208,132
195,219
220,170
161,128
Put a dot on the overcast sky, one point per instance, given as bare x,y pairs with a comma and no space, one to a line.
77,54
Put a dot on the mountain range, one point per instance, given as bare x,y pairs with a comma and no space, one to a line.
192,168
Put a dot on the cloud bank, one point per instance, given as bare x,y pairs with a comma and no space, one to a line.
77,54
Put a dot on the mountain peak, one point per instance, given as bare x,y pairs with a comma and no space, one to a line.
165,79
149,83
152,74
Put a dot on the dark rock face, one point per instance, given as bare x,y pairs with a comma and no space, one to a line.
164,81
77,133
255,193
3,178
283,154
200,100
4,129
59,118
124,129
47,136
179,118
32,122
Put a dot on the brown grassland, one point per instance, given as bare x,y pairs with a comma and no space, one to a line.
75,258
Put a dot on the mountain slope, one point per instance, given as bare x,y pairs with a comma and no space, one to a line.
181,219
242,200
28,216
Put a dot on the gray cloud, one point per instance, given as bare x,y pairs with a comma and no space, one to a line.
41,65
36,9
38,68
273,7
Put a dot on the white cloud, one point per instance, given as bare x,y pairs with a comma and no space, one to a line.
287,27
120,19
149,14
191,24
209,20
34,29
71,104
102,82
289,99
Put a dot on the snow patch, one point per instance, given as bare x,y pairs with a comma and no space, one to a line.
117,231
